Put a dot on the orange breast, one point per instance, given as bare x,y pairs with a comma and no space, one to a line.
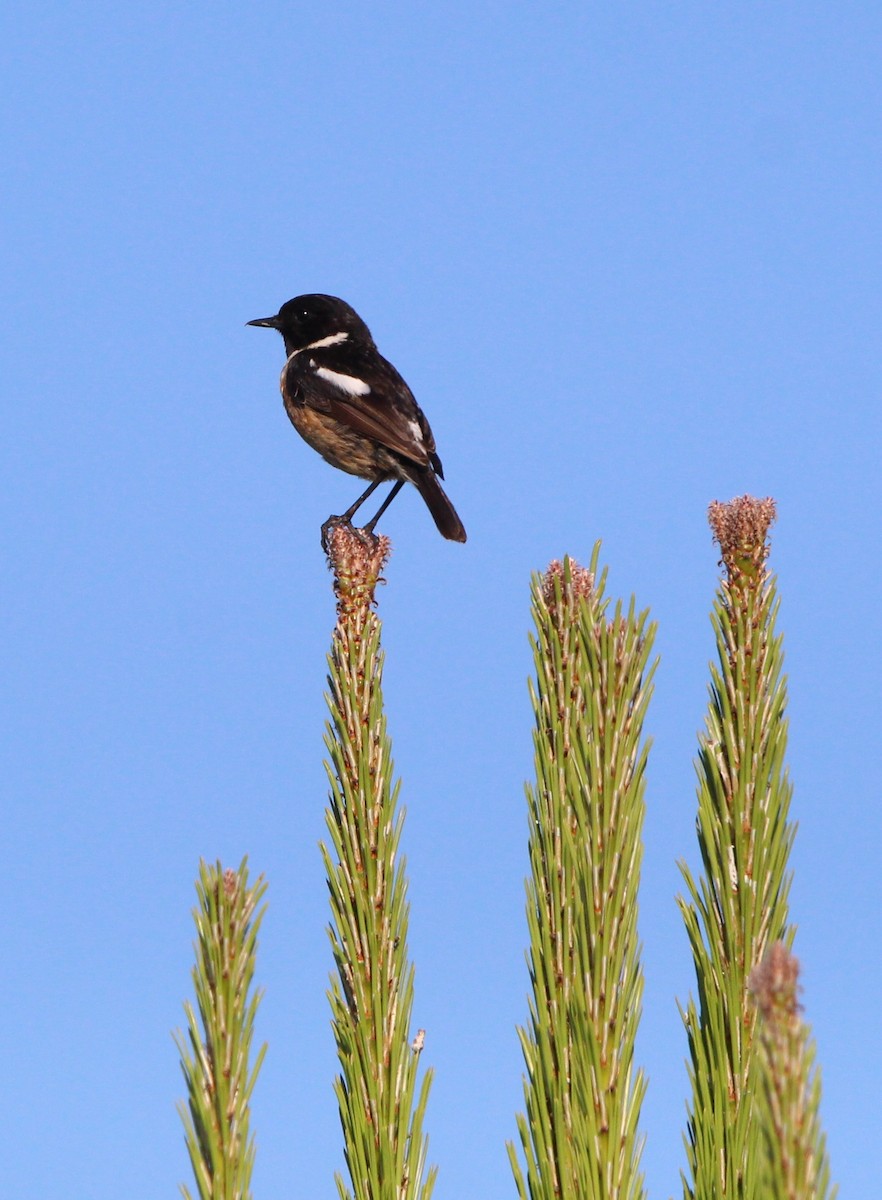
338,444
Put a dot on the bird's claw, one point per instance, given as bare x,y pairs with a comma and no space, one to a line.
365,535
327,529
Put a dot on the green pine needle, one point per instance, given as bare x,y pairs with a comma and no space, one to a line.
739,905
582,1091
793,1160
215,1054
382,1107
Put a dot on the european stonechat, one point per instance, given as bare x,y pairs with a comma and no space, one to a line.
351,405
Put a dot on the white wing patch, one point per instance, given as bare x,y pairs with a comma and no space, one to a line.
414,427
346,383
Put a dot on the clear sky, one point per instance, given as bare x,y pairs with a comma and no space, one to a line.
629,259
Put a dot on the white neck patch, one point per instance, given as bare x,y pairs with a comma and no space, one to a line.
333,339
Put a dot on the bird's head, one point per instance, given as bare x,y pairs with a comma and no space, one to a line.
310,319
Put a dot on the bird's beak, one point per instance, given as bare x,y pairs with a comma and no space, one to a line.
265,322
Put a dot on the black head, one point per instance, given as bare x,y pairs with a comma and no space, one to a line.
308,319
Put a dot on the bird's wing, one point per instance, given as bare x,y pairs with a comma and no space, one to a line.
359,388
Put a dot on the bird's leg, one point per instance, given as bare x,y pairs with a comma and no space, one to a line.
353,508
346,518
369,528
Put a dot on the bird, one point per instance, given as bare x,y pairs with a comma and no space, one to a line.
351,405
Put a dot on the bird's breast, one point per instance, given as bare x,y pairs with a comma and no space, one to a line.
339,445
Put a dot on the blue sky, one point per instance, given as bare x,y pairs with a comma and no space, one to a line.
628,258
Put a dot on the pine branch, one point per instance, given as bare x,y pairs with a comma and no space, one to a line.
794,1153
381,1107
739,907
583,1095
215,1053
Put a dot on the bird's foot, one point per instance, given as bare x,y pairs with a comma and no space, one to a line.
365,535
328,528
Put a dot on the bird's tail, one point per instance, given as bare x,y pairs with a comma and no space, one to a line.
443,513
